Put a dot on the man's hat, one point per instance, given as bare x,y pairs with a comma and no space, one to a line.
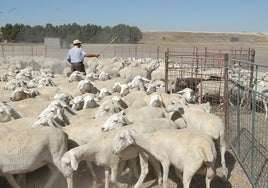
76,41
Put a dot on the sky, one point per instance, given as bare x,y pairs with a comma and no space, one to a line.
147,15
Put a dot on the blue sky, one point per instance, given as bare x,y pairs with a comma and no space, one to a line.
161,15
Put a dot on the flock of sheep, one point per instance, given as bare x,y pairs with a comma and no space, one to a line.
116,113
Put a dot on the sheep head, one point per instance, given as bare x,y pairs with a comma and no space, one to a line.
115,121
69,163
123,139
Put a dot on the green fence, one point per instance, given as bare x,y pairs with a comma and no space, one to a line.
247,119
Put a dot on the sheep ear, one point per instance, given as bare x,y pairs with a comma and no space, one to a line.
74,163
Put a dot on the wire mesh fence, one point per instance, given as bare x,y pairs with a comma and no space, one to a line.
237,89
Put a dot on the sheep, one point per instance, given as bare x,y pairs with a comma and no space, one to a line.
45,81
7,112
130,72
261,87
4,77
79,134
99,150
112,104
104,76
192,153
84,101
49,120
156,100
76,76
14,83
42,146
143,113
20,93
56,110
86,86
104,92
123,89
63,97
207,123
213,88
188,94
139,82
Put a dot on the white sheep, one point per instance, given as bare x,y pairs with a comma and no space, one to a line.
123,89
192,153
110,105
156,100
100,150
79,134
139,82
104,92
84,102
144,113
63,97
86,86
56,110
76,76
7,112
19,93
207,123
43,146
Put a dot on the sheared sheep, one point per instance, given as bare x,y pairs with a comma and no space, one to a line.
100,150
80,134
56,110
76,76
7,112
123,89
207,123
192,153
144,113
42,146
156,100
84,102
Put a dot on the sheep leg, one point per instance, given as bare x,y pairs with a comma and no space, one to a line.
222,145
210,173
156,165
189,172
94,177
134,167
114,172
106,173
20,178
54,173
11,180
165,166
179,174
225,170
144,169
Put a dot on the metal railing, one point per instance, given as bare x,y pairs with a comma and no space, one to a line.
231,77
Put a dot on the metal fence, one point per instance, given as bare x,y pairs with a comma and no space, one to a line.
228,79
247,120
114,50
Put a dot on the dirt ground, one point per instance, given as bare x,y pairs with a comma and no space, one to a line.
82,179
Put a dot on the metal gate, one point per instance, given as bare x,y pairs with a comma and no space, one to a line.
228,79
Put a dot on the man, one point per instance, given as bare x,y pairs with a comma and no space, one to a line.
76,57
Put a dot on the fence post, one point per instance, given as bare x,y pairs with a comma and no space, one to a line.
166,70
225,103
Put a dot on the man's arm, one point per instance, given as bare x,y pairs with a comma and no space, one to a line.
92,55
